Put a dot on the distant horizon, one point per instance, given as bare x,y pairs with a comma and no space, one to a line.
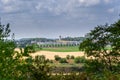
48,37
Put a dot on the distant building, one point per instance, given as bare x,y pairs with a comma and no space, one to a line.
43,42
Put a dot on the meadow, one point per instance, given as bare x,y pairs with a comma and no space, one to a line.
62,49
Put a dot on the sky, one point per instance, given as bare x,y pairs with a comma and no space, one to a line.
52,18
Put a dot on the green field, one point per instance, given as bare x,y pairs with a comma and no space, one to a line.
67,65
62,49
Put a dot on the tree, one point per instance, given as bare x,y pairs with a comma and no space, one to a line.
39,69
6,50
11,67
96,48
4,31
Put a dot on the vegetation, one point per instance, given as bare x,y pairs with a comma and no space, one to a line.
95,47
63,49
10,67
68,56
72,57
73,38
102,64
39,69
57,58
63,60
80,59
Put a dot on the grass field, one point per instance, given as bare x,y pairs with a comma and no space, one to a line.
63,49
67,65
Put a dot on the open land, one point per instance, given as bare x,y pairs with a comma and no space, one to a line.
50,54
63,49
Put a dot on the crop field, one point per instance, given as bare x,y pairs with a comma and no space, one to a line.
50,54
62,49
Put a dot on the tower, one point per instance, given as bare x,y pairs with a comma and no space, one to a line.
60,37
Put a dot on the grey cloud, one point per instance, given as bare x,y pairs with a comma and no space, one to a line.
56,7
58,16
64,6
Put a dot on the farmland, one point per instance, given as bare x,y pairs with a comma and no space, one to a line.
50,55
62,49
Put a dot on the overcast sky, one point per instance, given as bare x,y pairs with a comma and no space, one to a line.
51,18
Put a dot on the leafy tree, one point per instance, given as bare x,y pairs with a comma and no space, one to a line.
96,48
11,64
6,51
39,69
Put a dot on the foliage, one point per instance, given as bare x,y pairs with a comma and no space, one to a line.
63,60
57,58
73,38
10,61
68,57
86,76
79,59
95,47
72,57
39,69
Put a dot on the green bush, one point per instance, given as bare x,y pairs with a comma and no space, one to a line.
80,59
39,69
57,58
63,60
68,57
72,57
50,61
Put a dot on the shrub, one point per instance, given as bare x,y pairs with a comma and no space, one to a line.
72,57
50,61
63,60
68,56
57,58
79,59
39,69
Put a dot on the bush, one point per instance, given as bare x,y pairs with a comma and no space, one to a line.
39,69
57,58
68,56
79,59
63,60
49,61
72,57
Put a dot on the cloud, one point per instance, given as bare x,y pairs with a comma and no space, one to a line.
14,6
89,2
107,1
59,7
111,10
8,9
55,7
44,16
5,1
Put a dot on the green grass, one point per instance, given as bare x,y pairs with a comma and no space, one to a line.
66,65
63,49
